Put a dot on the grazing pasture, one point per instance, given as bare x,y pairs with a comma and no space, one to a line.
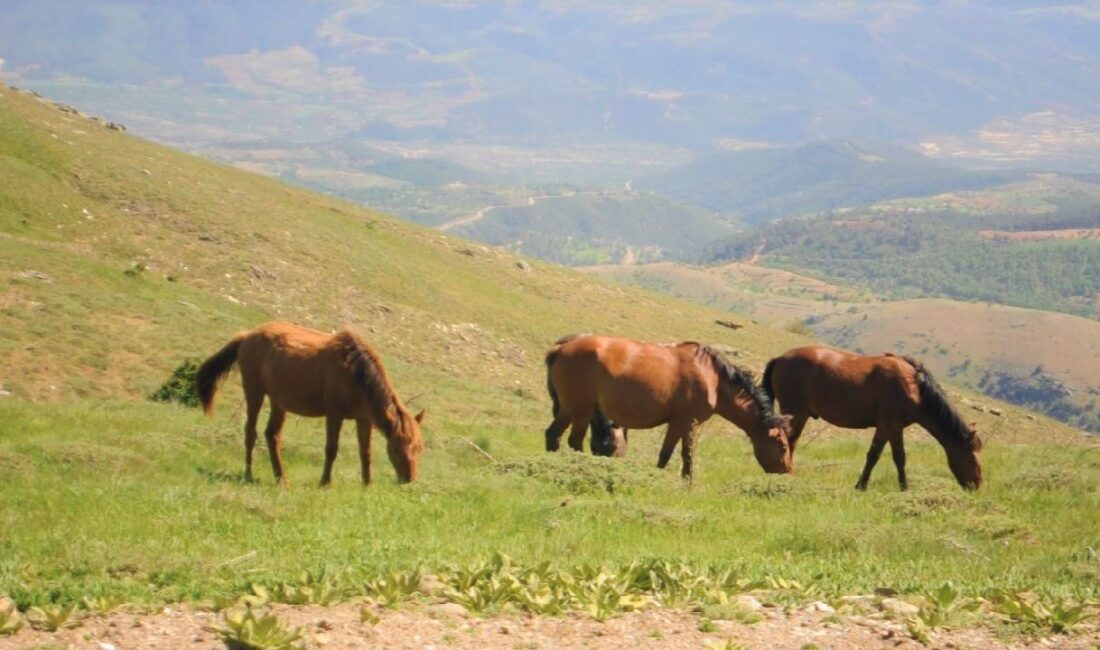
121,260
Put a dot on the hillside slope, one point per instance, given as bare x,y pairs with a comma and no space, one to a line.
121,257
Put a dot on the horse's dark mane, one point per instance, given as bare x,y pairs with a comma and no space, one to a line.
935,405
364,364
743,380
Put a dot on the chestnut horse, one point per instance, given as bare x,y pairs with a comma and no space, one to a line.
303,371
641,385
886,392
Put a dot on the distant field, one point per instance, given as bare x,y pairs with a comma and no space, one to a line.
1045,360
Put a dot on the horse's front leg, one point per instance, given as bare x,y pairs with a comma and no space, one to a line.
363,429
332,445
877,443
798,423
897,449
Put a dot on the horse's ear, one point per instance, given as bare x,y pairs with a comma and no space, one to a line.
420,415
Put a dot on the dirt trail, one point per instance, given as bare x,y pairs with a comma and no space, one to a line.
480,214
447,626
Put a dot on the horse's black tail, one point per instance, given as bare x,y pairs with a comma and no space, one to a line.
213,370
766,381
551,357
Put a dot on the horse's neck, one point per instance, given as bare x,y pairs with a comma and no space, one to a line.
737,406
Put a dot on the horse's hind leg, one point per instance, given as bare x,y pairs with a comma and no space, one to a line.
877,443
555,431
332,445
897,449
273,434
254,401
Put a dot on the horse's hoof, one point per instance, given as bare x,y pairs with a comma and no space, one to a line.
862,487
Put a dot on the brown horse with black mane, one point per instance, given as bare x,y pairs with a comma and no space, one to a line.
886,392
303,371
641,385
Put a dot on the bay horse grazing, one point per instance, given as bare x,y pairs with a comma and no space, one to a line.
303,371
886,392
640,385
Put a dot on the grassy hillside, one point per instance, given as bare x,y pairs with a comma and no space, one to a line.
1042,360
756,185
978,246
122,258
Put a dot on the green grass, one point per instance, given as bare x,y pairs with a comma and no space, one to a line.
144,502
108,497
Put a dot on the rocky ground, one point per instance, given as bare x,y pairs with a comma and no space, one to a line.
449,626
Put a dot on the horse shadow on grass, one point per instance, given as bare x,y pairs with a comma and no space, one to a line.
213,475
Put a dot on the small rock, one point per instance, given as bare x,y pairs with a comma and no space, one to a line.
819,606
430,585
146,172
1031,417
320,639
115,126
523,266
324,625
31,274
978,407
106,646
750,603
899,607
995,411
469,252
505,630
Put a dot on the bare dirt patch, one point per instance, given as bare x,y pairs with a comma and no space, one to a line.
432,626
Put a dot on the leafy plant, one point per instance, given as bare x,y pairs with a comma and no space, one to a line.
944,606
1028,609
103,604
52,618
394,588
180,387
244,631
322,589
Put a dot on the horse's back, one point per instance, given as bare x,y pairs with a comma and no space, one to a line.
636,383
844,388
292,364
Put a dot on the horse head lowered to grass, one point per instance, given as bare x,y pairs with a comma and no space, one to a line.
886,392
639,385
303,371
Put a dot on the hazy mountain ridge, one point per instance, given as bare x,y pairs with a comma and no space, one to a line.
761,184
678,75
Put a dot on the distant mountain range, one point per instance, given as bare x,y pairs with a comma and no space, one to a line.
756,185
988,80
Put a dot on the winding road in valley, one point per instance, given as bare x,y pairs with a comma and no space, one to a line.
531,200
